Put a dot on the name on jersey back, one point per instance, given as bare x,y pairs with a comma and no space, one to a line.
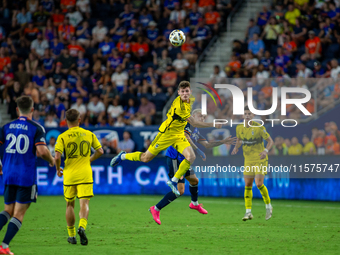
18,126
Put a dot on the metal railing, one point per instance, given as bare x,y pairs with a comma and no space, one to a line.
231,15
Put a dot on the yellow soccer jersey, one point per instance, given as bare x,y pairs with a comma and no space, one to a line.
252,138
177,115
76,145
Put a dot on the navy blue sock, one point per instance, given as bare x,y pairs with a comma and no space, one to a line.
167,199
4,218
12,229
193,192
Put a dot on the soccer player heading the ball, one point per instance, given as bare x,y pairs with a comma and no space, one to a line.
76,145
171,133
251,135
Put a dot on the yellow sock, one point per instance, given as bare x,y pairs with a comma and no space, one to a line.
71,231
265,194
248,196
134,156
183,168
83,223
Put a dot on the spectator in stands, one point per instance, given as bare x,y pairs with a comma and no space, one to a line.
98,33
292,14
107,147
84,34
261,74
270,33
180,63
120,122
279,148
80,107
319,71
127,144
114,111
50,122
146,110
66,31
319,142
23,17
250,61
312,47
39,46
335,69
251,30
40,17
201,33
296,148
309,147
95,110
37,118
51,145
13,93
212,18
178,14
235,63
299,32
119,79
169,77
332,148
66,60
217,76
256,46
289,46
74,16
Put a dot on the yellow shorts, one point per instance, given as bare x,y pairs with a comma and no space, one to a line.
82,191
254,168
164,140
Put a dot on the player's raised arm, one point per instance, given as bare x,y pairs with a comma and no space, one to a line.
200,124
193,145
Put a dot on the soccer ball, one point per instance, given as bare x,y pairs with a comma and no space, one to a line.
177,37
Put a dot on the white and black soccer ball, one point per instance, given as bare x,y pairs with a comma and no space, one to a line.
177,38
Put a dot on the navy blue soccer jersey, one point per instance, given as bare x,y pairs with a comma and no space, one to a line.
20,138
195,136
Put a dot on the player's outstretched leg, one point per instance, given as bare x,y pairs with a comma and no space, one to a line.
193,187
167,199
117,159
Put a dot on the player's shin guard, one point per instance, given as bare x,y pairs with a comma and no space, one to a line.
83,223
265,195
248,196
134,156
4,218
194,193
13,227
167,199
71,230
183,168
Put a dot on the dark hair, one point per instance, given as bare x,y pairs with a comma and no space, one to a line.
246,108
184,84
25,104
72,115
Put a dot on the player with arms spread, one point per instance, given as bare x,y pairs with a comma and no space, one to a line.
23,139
76,145
174,159
255,158
171,133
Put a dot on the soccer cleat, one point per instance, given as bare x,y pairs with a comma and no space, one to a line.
83,238
5,251
173,187
72,240
155,215
199,208
247,216
269,212
117,159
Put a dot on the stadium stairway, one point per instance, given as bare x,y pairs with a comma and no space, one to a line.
4,117
220,52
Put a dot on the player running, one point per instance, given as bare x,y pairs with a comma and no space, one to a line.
173,161
23,139
76,145
171,133
255,158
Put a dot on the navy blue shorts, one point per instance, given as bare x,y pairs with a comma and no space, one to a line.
173,165
22,195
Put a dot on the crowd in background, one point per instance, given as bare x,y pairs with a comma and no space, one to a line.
111,60
287,45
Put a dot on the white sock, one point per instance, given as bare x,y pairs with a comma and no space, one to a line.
268,206
123,156
195,203
248,210
174,179
4,245
155,207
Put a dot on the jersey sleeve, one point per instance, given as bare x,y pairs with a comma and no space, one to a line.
59,145
2,136
95,142
187,129
238,132
40,138
264,133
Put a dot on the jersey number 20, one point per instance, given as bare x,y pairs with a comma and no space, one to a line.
16,141
84,148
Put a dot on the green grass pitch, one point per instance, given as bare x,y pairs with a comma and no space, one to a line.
123,225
